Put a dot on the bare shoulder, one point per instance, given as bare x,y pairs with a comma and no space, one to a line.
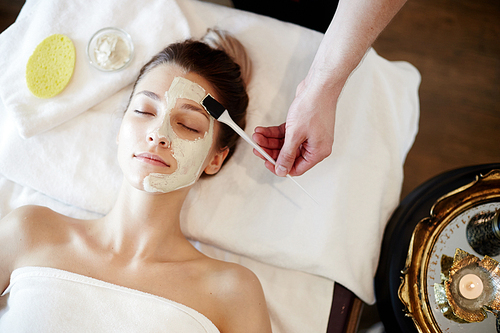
28,212
19,222
23,229
31,221
236,279
241,297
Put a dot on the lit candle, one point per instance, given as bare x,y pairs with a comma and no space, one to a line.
471,286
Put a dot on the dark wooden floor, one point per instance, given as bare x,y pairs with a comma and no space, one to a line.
455,44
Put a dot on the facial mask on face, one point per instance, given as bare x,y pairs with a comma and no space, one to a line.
189,154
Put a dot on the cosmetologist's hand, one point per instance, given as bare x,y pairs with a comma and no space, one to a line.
306,138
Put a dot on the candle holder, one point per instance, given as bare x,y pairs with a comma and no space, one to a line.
469,288
437,236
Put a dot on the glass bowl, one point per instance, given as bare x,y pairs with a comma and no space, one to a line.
110,49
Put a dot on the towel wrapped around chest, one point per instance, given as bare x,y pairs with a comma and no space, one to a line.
50,300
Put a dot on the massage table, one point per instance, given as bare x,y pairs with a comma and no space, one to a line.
316,261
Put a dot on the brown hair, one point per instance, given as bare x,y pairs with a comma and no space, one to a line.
220,59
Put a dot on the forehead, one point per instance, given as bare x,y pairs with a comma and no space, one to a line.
162,78
183,88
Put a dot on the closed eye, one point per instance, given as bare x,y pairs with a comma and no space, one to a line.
143,113
189,128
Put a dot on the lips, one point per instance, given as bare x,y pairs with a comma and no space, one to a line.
151,159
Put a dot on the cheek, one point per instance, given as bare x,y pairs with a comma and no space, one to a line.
127,137
192,154
215,148
123,135
215,137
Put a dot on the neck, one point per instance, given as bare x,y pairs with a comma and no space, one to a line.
145,226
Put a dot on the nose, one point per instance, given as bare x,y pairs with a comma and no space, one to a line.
157,139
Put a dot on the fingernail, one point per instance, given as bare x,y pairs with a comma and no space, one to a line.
281,171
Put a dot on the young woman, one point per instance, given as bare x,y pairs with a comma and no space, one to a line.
79,275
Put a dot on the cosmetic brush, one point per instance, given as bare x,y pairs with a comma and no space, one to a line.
219,112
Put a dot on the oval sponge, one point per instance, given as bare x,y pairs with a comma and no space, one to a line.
51,66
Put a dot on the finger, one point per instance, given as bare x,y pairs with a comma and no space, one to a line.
300,166
265,142
287,155
272,153
306,160
267,164
270,166
272,131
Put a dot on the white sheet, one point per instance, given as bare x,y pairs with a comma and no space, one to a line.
245,209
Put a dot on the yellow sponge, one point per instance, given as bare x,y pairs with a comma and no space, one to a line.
51,66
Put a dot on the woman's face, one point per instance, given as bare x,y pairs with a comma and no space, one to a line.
167,139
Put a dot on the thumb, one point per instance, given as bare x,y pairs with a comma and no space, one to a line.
287,155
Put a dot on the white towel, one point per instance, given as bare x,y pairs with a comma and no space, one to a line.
51,300
245,209
151,24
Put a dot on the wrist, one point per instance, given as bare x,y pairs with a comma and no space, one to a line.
326,81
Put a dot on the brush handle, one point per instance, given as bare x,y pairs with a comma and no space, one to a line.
226,119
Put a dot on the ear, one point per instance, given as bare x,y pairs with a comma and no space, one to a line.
216,162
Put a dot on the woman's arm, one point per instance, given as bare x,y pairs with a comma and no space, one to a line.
307,136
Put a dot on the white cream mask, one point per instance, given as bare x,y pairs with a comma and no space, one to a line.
189,154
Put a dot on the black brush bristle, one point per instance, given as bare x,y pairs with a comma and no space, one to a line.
213,107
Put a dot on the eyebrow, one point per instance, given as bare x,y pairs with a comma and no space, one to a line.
150,94
186,106
192,107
